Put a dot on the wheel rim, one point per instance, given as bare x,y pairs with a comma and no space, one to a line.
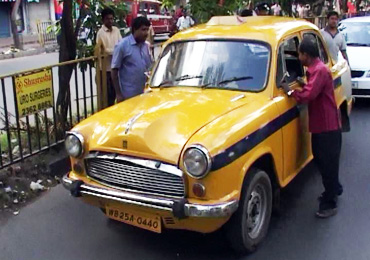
256,211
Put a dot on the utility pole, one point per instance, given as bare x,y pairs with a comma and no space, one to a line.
17,42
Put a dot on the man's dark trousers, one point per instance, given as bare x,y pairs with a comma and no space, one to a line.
326,149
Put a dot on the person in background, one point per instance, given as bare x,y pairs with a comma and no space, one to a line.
300,10
294,9
108,36
131,61
333,37
324,123
151,33
185,21
179,12
276,9
262,9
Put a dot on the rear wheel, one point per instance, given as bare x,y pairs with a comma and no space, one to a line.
249,225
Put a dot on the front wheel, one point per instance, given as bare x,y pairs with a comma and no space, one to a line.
249,225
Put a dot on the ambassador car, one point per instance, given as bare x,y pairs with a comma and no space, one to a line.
357,34
214,137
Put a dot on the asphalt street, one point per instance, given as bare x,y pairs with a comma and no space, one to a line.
58,226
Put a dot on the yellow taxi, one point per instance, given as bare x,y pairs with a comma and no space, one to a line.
214,137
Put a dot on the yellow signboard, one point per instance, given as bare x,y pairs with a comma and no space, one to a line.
34,92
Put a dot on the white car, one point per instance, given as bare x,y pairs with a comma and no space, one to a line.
357,34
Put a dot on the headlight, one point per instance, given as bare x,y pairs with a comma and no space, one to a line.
368,74
197,161
74,144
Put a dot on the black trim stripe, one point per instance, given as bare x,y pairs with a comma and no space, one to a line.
249,142
337,82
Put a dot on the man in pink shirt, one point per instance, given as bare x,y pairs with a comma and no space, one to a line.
324,123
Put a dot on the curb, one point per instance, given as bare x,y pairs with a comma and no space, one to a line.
29,52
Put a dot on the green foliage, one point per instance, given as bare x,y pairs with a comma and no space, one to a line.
168,3
91,22
205,9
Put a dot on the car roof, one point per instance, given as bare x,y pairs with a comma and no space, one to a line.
270,29
356,19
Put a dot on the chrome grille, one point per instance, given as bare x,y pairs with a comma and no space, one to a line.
357,73
120,173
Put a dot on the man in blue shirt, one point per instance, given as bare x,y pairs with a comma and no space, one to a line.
131,59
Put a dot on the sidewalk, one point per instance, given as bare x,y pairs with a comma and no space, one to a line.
31,47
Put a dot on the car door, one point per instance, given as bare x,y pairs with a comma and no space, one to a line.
296,137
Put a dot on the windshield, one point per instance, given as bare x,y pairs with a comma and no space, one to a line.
356,33
213,64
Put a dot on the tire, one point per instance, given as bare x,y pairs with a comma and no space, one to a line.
246,231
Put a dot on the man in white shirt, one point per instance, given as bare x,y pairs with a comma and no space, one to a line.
334,39
108,36
276,8
184,21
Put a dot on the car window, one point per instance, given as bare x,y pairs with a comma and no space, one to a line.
288,61
143,7
239,65
323,54
356,34
154,9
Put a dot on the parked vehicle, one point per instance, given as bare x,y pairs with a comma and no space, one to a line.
162,23
357,34
214,137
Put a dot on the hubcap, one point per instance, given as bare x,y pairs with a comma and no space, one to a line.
256,211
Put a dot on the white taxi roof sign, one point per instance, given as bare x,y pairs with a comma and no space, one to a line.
227,20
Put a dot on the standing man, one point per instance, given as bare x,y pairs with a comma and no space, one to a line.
179,12
131,60
151,33
276,8
333,38
185,21
324,123
108,36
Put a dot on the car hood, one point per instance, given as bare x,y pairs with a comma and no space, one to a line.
357,55
158,124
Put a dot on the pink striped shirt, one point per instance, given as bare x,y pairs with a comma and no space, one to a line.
318,93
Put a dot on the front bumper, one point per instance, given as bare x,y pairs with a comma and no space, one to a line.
180,208
361,87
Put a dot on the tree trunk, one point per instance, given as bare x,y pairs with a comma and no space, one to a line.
17,42
68,45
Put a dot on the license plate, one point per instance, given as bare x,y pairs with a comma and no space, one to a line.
354,84
145,221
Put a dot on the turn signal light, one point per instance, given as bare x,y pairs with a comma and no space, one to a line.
199,190
78,168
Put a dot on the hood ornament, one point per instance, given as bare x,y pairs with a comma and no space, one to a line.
132,121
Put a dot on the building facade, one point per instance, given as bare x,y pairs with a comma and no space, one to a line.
30,11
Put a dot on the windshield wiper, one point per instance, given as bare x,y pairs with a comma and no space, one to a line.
181,78
357,44
234,79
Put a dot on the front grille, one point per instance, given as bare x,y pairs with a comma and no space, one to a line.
130,176
361,92
357,73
